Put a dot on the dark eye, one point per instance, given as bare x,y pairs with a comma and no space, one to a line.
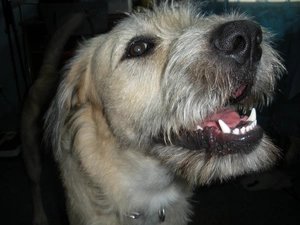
138,48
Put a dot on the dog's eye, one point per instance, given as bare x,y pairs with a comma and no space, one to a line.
138,48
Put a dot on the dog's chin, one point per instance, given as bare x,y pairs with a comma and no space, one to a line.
206,155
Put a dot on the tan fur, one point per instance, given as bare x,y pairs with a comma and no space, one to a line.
109,108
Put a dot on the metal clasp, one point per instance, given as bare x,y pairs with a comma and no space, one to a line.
134,215
162,215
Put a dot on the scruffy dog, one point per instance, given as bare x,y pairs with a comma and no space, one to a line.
149,110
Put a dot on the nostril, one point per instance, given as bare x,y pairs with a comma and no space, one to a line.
239,40
229,44
239,44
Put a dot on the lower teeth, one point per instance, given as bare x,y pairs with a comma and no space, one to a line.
244,130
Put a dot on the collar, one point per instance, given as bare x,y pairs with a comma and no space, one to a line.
161,215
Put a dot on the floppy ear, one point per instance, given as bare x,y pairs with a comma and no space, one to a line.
79,83
75,90
76,87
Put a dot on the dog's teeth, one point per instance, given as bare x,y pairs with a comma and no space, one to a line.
248,128
224,127
199,127
243,130
252,116
253,124
236,131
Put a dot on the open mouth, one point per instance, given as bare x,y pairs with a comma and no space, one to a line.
223,132
226,132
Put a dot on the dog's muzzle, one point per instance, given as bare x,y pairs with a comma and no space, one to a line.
238,44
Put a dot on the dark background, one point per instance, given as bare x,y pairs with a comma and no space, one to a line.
268,198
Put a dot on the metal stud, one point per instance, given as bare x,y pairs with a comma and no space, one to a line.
162,215
134,215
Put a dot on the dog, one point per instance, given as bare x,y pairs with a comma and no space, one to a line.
148,111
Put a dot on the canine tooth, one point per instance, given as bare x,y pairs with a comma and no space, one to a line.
236,131
224,127
243,130
252,116
253,124
199,127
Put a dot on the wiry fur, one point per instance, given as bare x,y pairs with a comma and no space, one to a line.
109,107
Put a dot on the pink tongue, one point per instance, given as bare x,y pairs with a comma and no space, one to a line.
229,116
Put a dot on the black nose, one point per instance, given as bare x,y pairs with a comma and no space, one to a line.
239,40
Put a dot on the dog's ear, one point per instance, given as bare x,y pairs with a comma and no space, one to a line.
76,89
76,86
79,84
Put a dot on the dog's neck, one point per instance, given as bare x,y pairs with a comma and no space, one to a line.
150,192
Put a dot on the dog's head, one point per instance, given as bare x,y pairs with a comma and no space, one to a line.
170,83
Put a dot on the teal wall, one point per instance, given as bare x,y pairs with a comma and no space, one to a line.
277,17
283,20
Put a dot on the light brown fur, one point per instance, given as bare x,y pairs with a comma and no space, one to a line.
118,121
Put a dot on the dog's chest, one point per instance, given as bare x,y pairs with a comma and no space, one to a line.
151,208
152,195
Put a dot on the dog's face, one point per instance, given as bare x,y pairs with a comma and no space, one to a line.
164,79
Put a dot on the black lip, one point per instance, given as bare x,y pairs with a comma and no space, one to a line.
214,142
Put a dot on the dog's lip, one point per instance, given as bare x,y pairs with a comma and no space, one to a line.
240,93
219,143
